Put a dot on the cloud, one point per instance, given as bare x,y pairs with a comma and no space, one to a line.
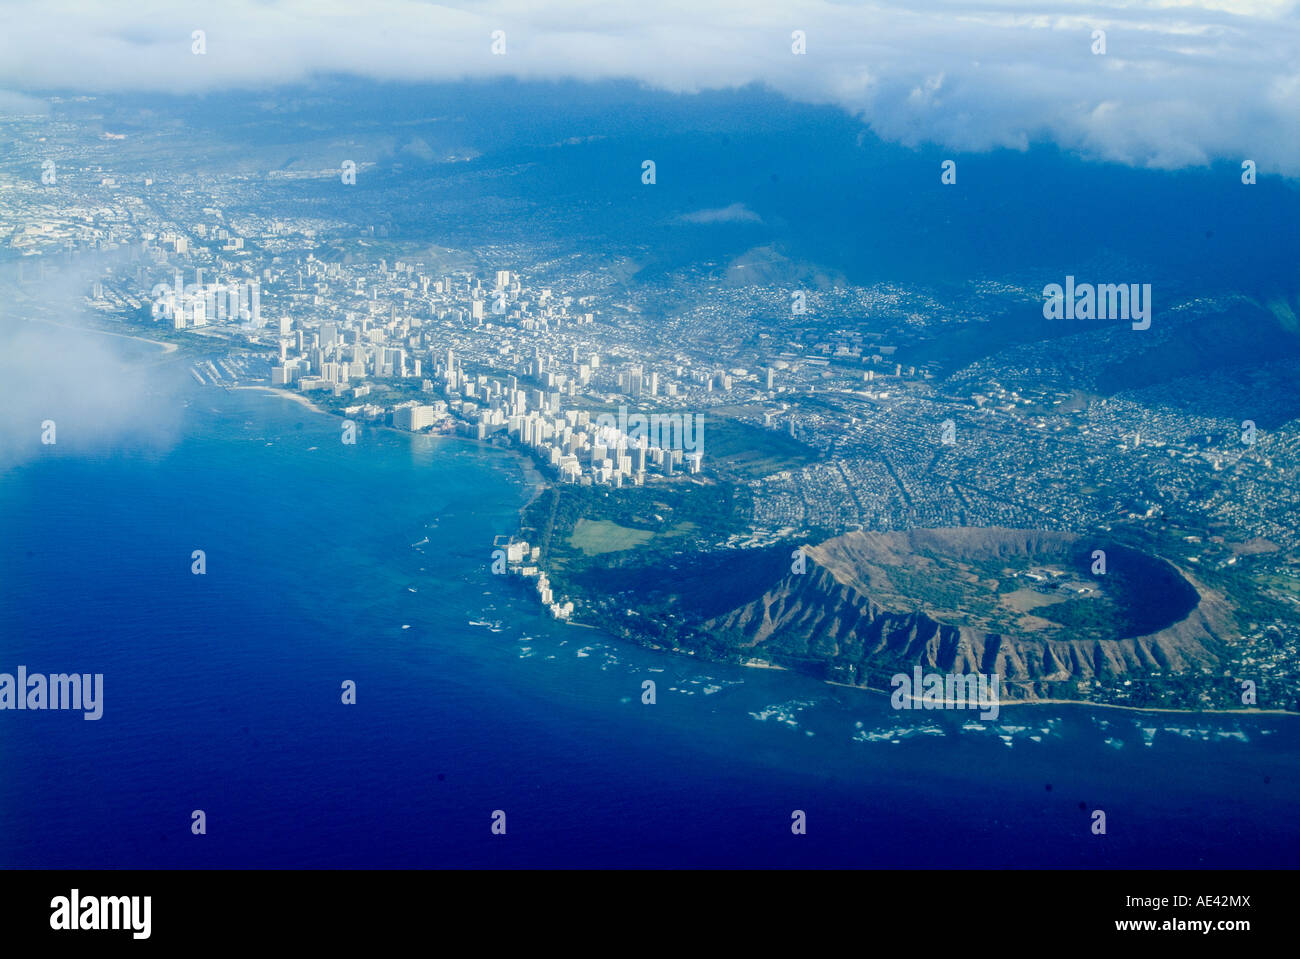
53,370
18,105
735,213
1181,83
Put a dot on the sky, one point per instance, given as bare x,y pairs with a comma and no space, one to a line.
1180,84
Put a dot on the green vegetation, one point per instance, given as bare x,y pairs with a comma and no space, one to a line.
1094,617
638,560
601,536
676,518
1040,594
742,451
645,563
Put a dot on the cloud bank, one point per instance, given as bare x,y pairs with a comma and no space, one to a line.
1181,83
55,371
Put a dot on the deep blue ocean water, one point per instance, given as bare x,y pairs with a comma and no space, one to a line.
222,693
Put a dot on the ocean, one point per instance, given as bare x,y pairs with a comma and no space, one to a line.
328,563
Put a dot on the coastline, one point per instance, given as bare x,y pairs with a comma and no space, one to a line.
532,475
166,348
540,484
1007,703
298,398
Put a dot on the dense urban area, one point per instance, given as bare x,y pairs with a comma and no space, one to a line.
820,410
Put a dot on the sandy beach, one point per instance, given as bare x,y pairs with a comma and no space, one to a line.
298,398
166,347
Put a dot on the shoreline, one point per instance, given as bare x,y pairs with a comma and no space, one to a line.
532,475
541,483
298,398
1006,703
167,348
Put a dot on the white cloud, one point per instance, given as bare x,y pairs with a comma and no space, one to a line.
1181,82
52,368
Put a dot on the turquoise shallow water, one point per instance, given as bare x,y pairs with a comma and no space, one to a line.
370,563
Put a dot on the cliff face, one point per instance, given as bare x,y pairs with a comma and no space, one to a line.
827,615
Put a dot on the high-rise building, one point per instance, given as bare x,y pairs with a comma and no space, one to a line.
414,416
